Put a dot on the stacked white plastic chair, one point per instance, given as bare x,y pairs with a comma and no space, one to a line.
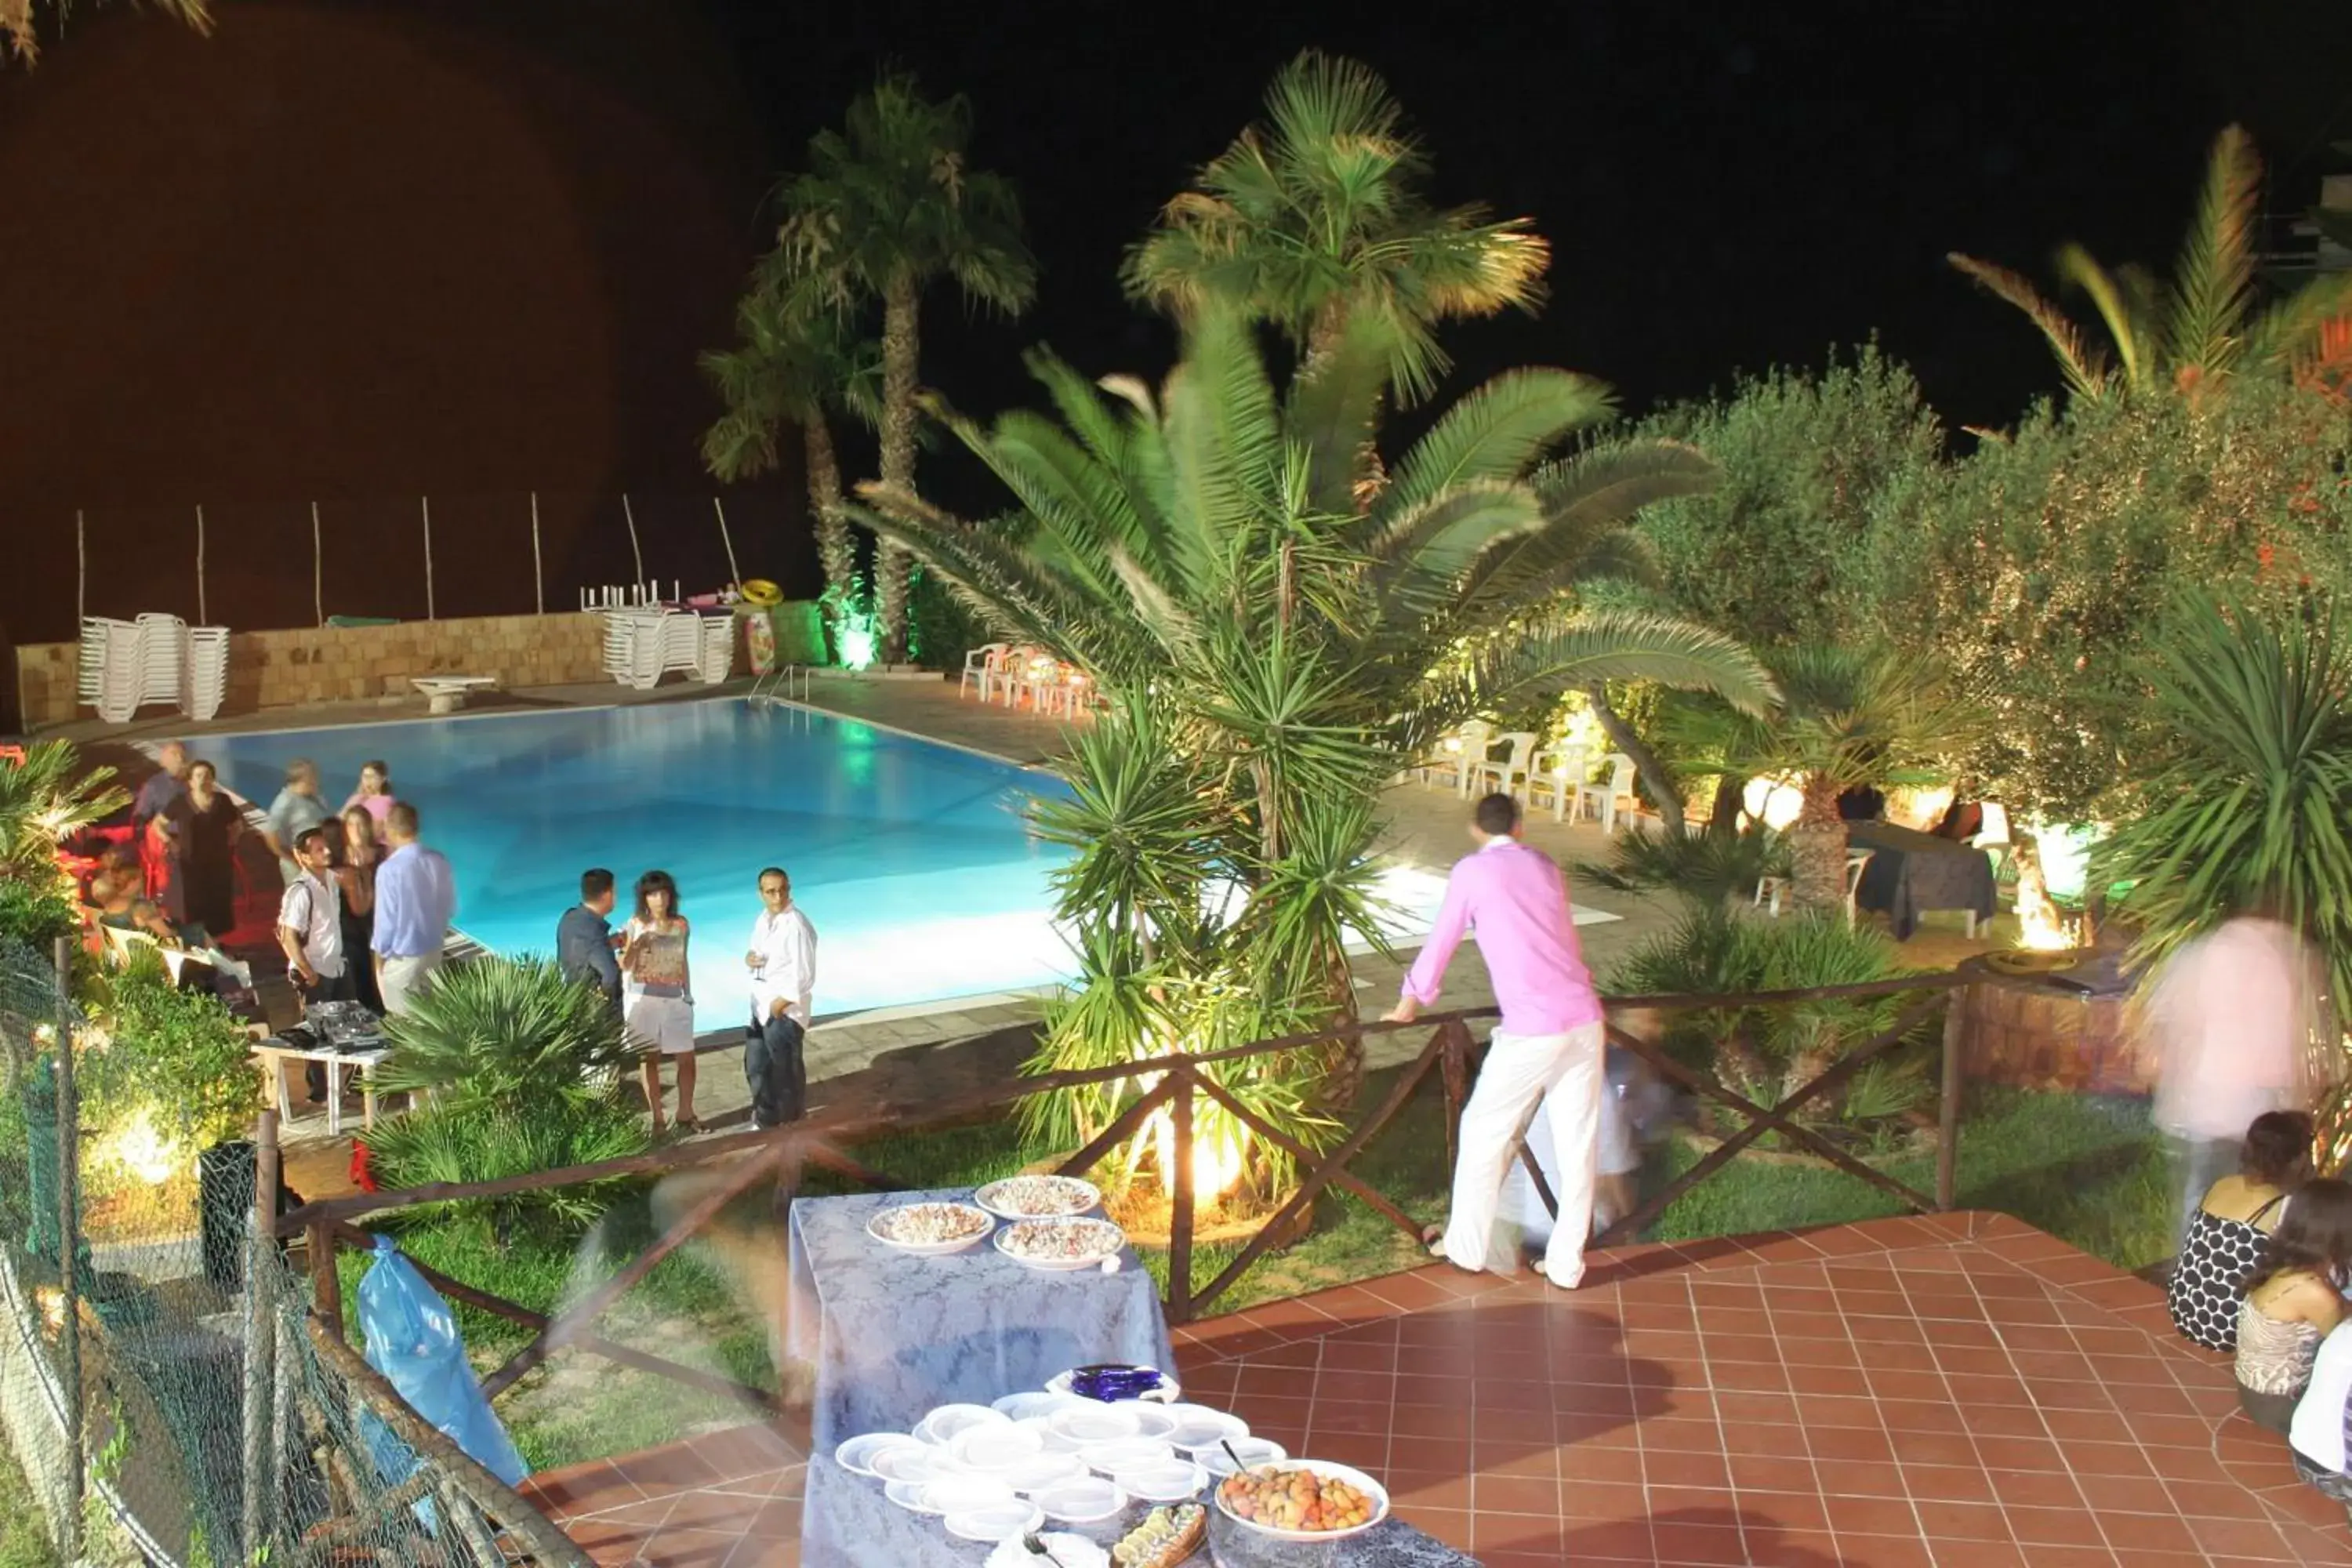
645,642
125,665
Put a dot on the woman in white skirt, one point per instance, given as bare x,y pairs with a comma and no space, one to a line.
658,1001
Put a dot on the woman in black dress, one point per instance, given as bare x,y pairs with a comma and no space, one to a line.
354,868
205,827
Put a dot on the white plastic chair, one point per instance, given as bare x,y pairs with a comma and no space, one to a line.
1855,861
1461,753
1602,797
1511,773
981,665
1558,769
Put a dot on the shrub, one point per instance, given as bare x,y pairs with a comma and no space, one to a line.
482,1143
178,1056
517,1034
1704,867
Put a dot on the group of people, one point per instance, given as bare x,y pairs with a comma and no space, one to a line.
643,972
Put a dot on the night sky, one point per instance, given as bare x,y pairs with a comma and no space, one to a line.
469,247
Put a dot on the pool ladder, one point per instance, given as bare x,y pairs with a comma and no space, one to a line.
776,686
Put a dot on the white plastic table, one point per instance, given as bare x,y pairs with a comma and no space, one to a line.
274,1053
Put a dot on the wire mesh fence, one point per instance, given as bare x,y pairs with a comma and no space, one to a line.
296,564
161,1384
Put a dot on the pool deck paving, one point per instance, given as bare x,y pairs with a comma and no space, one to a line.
901,1055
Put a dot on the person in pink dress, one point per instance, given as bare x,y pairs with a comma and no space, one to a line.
1546,1051
373,797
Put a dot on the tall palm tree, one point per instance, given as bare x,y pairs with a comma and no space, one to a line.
888,206
799,360
43,798
1316,216
19,21
1851,717
1256,591
2203,326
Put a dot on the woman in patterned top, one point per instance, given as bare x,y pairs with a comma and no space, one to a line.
656,999
2224,1242
2293,1301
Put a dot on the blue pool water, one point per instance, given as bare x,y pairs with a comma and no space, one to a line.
912,859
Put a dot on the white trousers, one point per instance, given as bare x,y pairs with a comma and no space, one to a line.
404,978
1562,1076
1617,1153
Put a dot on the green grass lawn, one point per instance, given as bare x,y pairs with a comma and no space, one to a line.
24,1533
2088,1170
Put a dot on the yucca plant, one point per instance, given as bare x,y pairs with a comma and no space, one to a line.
509,1034
483,1143
44,799
1703,868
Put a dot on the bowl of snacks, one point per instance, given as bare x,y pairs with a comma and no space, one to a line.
931,1230
1039,1198
1061,1246
1166,1537
1292,1514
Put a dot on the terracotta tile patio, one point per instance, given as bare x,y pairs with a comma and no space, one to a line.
1957,1392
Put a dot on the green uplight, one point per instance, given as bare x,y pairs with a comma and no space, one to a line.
858,646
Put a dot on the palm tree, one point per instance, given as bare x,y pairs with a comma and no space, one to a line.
1316,216
1851,717
2203,327
1233,563
43,798
799,361
18,23
890,205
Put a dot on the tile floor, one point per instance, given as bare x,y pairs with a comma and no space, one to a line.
1956,1392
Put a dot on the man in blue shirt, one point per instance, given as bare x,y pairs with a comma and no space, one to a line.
169,783
416,899
583,937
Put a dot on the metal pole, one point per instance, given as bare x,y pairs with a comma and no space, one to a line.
68,1247
202,618
318,568
634,554
538,577
728,540
425,503
260,1335
81,570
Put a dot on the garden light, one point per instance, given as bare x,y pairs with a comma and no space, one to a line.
138,1147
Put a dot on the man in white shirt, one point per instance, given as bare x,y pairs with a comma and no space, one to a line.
310,930
783,961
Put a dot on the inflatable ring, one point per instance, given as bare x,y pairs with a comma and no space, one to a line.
761,592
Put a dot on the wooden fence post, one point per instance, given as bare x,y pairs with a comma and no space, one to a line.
1455,1067
260,1335
1948,1109
70,1249
326,1284
1179,1213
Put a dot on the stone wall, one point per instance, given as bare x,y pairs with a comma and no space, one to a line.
352,664
2017,1031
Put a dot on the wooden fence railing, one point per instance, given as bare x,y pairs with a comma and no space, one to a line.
824,1139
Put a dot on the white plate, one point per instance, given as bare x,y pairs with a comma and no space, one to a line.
995,1521
1109,1246
857,1456
1179,1481
992,1198
1198,1427
990,1447
942,1424
1168,1391
957,1494
1126,1454
931,1248
1088,1421
1067,1550
1021,1406
1151,1417
1255,1451
916,1462
1084,1501
1044,1472
1356,1479
908,1495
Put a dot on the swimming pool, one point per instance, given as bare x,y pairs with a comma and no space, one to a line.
912,859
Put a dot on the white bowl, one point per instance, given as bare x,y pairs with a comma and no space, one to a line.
941,1426
1107,1239
1255,1451
916,1462
1085,1500
908,1495
992,1199
930,1248
988,1448
1043,1472
1088,1421
1354,1477
994,1521
1126,1454
1151,1417
1177,1480
1063,1548
857,1456
1198,1427
1021,1406
958,1494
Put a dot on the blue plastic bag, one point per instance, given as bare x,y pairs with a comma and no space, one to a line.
412,1340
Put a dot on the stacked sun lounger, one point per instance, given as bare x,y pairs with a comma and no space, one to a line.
126,665
645,642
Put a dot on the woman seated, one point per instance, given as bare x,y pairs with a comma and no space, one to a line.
2224,1243
2293,1301
2321,1416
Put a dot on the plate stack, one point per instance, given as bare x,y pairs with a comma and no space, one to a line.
203,674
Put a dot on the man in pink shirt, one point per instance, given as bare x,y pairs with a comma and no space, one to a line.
1546,1051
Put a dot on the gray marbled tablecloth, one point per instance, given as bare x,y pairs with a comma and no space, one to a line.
1911,872
894,1337
847,1522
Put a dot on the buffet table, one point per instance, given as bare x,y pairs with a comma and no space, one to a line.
893,1335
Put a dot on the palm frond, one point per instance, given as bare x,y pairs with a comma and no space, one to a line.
2123,309
2085,370
2212,286
1494,432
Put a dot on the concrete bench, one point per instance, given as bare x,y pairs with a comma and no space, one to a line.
447,693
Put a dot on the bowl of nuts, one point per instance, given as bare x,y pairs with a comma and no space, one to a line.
931,1230
1293,1513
